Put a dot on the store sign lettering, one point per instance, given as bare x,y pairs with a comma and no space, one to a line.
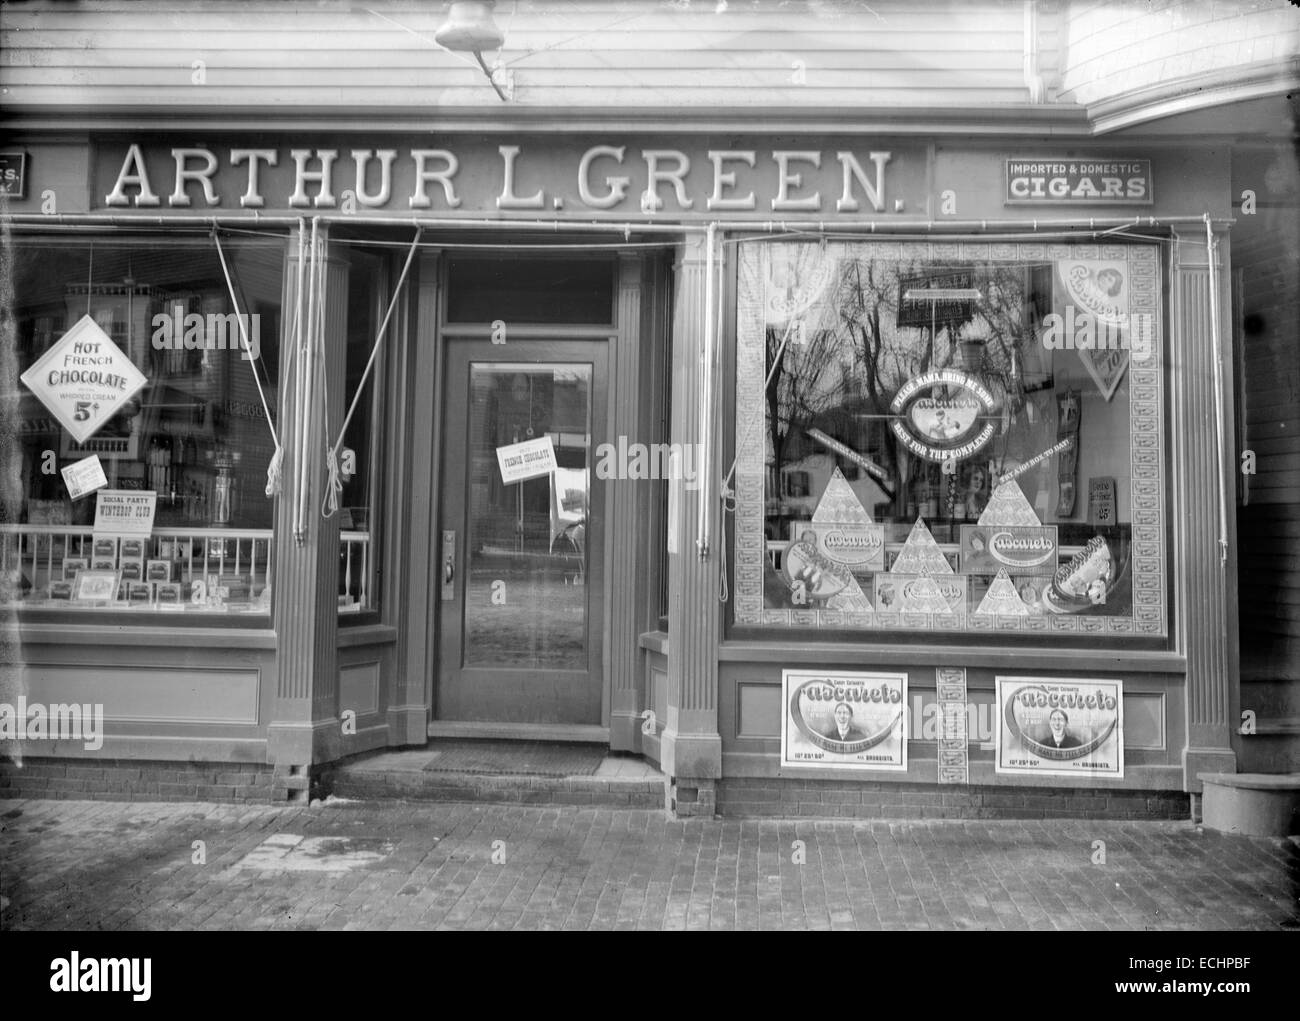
606,178
1078,182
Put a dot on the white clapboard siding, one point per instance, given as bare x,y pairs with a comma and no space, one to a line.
300,56
1111,49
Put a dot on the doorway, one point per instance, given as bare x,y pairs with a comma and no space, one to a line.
521,570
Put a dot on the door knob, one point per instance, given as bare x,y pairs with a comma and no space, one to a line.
448,565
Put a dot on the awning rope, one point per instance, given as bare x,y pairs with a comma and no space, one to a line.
334,486
273,469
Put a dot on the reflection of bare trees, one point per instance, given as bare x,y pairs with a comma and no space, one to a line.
858,356
807,382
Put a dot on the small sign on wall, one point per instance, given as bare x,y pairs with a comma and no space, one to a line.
1045,180
1101,500
13,174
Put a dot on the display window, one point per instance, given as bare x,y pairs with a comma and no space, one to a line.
362,451
949,437
143,437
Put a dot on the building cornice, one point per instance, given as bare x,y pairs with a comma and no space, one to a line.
1196,92
1011,119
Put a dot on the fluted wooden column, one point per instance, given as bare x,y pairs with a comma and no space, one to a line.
628,517
690,744
304,725
1205,587
416,588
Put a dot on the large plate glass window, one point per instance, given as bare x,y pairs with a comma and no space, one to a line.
942,437
130,359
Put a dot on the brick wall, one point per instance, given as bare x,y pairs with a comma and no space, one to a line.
792,798
135,780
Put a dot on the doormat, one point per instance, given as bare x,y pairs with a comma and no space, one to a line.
516,758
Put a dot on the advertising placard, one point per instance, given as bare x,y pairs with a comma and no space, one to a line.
527,460
13,174
1052,726
860,548
944,297
84,379
1037,180
1021,549
85,476
943,415
123,512
919,593
844,720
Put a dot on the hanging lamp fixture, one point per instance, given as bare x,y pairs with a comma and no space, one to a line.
469,28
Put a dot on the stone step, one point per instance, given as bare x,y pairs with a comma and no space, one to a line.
618,783
1251,804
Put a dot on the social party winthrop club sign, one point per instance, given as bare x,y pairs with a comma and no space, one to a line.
844,720
561,175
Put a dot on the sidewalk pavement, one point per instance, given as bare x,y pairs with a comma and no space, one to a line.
404,865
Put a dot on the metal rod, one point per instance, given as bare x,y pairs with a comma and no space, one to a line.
621,226
302,411
1216,342
91,219
243,334
706,400
379,337
300,317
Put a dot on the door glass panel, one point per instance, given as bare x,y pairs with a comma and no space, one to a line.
526,595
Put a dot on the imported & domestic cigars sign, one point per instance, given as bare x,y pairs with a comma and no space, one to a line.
844,720
1048,181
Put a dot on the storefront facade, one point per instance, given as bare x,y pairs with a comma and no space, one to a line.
791,457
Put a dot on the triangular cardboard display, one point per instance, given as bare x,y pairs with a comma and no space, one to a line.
1002,598
921,554
839,504
850,599
1106,368
1008,506
923,596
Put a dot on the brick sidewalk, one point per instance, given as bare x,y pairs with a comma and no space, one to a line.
105,865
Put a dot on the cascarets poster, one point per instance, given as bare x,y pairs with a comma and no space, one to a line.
1060,727
844,720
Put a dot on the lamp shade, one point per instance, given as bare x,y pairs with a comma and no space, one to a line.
469,26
